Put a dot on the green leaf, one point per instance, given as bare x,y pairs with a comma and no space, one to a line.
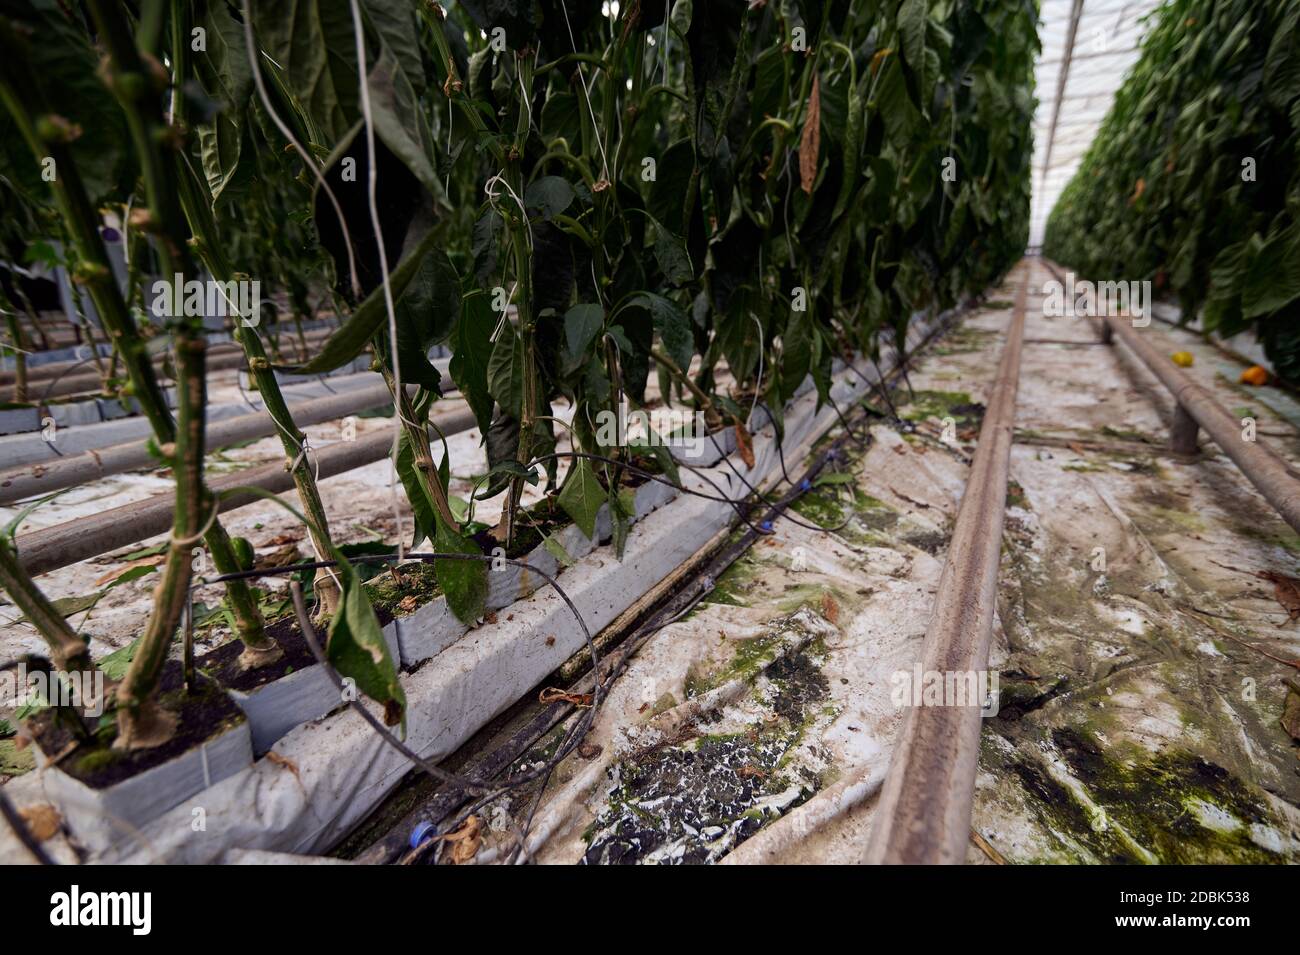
674,261
548,196
368,318
911,27
837,477
115,664
581,325
671,323
622,508
426,314
1273,279
313,44
399,119
67,606
471,351
227,78
357,649
483,245
502,446
506,371
582,496
556,550
464,582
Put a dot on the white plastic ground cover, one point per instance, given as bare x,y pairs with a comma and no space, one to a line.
326,776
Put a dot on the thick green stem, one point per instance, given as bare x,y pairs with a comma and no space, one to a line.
197,208
140,722
68,651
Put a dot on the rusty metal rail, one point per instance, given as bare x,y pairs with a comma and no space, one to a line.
925,806
1198,410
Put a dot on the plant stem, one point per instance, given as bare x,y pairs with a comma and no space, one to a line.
196,203
140,723
711,415
69,652
132,83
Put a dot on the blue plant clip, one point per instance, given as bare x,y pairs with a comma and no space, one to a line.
421,833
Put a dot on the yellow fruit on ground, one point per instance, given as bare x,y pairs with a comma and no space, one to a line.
1182,359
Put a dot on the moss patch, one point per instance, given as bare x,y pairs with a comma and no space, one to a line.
1177,806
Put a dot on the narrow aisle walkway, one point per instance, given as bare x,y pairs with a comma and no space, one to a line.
1135,723
1141,701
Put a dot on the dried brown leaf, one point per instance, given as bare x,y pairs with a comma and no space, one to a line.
1291,711
43,820
745,444
1286,591
465,841
810,142
830,609
152,561
281,557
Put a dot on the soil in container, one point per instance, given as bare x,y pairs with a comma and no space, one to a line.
532,526
390,599
202,714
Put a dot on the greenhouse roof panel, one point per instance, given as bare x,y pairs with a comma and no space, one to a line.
1088,47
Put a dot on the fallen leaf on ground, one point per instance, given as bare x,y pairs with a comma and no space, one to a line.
113,575
281,557
1291,710
554,695
279,540
285,762
43,820
465,841
1286,591
830,609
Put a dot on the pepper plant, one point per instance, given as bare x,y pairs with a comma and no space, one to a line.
570,196
1192,180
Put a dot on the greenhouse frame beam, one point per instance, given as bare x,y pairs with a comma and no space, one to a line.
1062,78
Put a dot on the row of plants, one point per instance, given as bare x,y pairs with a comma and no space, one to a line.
1193,179
571,197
